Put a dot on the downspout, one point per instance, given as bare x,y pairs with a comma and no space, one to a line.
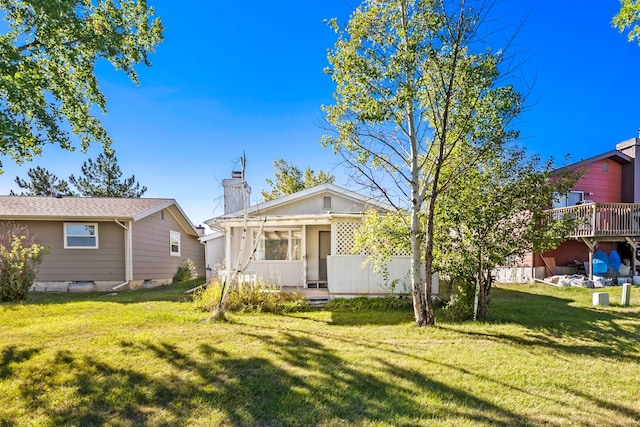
128,254
207,267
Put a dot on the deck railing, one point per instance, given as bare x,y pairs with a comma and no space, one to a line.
601,219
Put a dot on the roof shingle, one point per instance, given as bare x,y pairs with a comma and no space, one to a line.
79,207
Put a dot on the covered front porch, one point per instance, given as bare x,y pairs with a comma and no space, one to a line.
313,256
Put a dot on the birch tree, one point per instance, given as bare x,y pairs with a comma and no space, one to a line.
417,90
219,310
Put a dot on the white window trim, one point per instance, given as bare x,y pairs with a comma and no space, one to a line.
290,239
173,234
64,230
562,200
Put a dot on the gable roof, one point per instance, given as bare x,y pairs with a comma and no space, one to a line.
614,155
88,208
303,194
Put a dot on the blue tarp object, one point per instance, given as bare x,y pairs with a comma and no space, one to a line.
614,260
600,263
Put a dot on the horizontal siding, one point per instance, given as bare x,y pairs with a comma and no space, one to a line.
313,206
571,251
604,179
151,257
103,264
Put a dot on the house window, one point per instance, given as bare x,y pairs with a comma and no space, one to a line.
326,202
80,235
279,245
174,243
572,198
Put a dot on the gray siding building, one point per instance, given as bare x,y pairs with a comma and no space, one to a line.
106,243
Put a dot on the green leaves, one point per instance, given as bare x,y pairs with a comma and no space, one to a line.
627,19
19,260
289,179
48,88
418,103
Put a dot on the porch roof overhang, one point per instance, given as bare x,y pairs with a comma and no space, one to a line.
285,221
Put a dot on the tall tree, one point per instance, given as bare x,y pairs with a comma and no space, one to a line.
288,179
627,19
43,183
102,179
47,63
496,212
416,92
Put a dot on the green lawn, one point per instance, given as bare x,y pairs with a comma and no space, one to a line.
149,358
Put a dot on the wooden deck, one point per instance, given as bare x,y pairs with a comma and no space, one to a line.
602,221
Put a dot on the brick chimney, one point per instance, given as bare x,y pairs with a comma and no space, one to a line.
233,189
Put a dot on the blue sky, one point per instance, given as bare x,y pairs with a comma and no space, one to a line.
231,79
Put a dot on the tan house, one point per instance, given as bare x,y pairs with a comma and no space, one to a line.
303,241
105,243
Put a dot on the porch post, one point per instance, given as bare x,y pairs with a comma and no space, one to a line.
304,256
227,248
592,247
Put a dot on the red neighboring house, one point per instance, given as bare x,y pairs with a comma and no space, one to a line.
606,203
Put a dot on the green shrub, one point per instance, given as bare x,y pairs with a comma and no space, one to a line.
245,297
460,305
186,271
369,303
19,260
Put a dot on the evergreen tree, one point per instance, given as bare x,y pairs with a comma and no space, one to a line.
41,182
102,178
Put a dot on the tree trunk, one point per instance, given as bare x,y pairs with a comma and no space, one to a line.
428,280
428,263
419,307
486,282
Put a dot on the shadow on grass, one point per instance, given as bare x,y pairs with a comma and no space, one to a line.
343,392
303,383
172,293
12,356
596,332
371,317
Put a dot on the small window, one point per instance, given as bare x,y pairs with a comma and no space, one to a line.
605,167
326,202
80,235
174,243
572,198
